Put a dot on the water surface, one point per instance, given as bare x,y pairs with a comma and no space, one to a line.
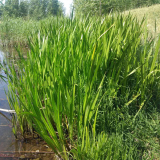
10,147
6,135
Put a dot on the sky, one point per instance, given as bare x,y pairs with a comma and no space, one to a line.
67,4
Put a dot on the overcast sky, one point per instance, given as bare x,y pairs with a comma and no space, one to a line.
67,4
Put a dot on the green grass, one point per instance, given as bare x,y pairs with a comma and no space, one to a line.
90,88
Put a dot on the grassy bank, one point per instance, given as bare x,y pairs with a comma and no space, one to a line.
152,15
90,89
103,7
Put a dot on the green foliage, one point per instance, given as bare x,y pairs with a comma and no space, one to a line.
88,88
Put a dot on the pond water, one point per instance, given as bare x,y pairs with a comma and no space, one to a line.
10,147
5,125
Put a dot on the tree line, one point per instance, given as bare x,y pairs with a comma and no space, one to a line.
39,9
36,9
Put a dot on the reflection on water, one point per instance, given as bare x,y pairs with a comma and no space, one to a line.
10,148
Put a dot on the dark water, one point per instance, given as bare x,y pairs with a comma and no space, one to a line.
10,147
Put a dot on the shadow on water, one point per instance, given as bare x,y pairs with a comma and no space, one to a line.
10,147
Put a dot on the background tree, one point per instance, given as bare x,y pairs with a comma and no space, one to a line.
61,9
53,6
23,9
1,8
36,9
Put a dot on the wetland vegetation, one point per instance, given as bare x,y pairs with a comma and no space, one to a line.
89,86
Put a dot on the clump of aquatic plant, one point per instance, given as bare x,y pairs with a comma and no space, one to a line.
84,85
15,32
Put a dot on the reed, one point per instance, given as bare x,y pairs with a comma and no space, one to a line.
85,85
